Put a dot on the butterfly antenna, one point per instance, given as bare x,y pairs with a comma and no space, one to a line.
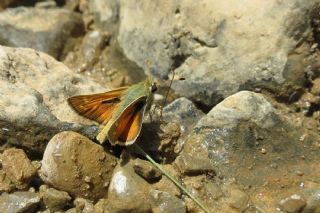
167,94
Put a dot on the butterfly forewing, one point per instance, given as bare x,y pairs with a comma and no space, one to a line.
98,107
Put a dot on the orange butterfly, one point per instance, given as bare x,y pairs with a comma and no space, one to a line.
120,111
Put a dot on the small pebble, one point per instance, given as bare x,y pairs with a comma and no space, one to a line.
263,151
299,173
292,204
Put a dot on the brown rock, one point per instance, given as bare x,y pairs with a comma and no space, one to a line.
5,183
54,199
75,164
292,204
145,169
17,166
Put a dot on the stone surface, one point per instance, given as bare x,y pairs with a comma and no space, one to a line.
160,140
73,163
84,205
19,202
126,187
88,53
184,112
238,199
292,204
198,41
5,183
102,206
53,199
237,129
229,139
105,14
31,110
17,166
146,170
52,31
163,202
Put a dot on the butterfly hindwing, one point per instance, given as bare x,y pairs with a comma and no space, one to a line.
127,126
98,107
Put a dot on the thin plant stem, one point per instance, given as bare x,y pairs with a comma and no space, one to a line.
177,183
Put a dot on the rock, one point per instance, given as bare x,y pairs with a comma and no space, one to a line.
89,51
54,199
160,140
32,110
198,43
146,170
18,167
238,200
72,210
165,202
292,204
315,90
5,183
231,135
53,31
19,202
166,185
105,14
125,187
46,4
84,205
313,203
73,163
190,165
102,206
184,112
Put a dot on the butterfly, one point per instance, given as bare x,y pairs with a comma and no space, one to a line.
119,111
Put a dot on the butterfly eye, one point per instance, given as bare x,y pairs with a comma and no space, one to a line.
153,87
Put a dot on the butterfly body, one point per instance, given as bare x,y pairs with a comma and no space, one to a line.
120,111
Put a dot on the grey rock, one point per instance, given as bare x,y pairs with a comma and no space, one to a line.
125,187
311,194
184,112
292,204
199,44
73,163
52,31
166,203
231,136
18,167
54,199
105,14
33,98
19,202
89,51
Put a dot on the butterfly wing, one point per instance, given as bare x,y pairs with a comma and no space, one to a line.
127,126
98,107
